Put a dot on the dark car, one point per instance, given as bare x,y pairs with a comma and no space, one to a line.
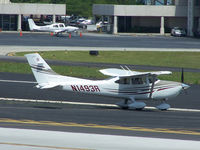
176,31
197,34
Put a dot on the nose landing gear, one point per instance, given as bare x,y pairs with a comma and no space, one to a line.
163,106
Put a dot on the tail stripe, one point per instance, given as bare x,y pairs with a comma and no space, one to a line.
41,69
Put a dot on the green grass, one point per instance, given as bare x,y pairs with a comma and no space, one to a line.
170,59
89,72
14,67
84,72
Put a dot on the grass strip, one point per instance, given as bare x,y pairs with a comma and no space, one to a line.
169,59
90,72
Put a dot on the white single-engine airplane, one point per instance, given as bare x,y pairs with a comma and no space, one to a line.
56,28
126,84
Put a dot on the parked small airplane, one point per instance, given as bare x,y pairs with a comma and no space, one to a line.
56,28
124,83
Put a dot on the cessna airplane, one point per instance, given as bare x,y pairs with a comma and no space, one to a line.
124,83
56,28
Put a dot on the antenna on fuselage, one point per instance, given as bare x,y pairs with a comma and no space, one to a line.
126,69
122,67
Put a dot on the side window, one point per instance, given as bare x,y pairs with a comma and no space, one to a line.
139,80
126,80
123,81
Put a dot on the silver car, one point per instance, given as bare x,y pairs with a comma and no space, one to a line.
176,31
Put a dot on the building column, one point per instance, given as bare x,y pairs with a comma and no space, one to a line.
190,17
115,25
162,26
54,18
19,23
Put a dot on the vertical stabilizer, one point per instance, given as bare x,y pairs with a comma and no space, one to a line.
41,70
32,24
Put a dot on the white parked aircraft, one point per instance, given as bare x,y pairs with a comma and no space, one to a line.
126,84
56,28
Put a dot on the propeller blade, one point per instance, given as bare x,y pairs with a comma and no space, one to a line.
182,75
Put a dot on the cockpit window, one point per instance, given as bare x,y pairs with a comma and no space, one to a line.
151,79
61,25
139,80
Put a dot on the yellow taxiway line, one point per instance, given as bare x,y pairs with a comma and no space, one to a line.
113,127
39,146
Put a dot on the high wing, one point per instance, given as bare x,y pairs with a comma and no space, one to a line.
128,73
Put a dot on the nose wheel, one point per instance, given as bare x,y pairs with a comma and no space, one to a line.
163,105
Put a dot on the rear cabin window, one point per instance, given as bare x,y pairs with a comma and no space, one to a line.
55,26
123,81
61,25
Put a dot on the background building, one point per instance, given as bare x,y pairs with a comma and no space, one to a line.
157,16
11,14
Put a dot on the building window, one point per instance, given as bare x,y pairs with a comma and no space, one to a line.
8,22
159,2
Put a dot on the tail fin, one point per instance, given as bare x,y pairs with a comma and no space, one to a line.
41,70
32,24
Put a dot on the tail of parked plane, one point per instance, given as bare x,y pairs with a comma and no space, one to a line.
43,73
32,24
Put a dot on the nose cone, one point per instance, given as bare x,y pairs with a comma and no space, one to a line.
185,86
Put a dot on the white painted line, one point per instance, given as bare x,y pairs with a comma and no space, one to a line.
16,81
88,104
12,138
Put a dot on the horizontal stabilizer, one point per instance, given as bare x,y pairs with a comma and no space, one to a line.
48,85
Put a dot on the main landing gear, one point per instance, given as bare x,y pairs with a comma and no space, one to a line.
131,104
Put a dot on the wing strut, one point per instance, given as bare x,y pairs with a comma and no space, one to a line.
152,86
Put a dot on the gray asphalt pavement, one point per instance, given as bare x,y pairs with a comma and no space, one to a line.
12,42
90,40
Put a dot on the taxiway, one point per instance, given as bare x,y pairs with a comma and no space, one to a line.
12,42
87,118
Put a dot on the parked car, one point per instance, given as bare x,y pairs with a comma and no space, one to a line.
177,31
197,34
